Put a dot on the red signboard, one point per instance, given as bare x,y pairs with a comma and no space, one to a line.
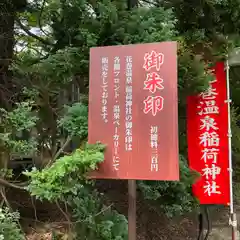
133,110
208,140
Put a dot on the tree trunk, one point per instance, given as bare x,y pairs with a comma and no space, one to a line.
8,10
132,4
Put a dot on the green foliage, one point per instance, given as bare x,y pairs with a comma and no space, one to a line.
108,23
65,175
60,67
65,181
153,25
13,124
177,195
236,191
75,120
95,220
6,173
9,228
20,118
193,73
235,118
212,16
145,25
45,71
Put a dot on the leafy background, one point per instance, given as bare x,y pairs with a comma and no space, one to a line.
44,103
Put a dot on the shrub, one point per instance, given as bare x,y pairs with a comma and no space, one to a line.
9,229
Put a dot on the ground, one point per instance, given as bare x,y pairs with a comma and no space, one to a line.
151,224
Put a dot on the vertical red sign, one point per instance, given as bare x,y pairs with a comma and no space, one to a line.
207,126
133,110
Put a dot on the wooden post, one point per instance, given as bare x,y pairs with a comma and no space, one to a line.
132,211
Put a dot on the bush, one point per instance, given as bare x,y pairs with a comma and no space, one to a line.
66,175
94,220
173,197
65,181
9,229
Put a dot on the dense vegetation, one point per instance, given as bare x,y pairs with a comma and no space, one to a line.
44,97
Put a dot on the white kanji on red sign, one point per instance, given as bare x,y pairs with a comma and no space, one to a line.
153,104
153,82
209,139
153,60
210,108
211,171
208,123
209,94
210,154
211,188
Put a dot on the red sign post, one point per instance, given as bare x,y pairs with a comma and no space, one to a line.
133,110
208,147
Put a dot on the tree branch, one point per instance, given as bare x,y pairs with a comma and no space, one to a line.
5,183
26,30
40,16
65,214
62,148
149,2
